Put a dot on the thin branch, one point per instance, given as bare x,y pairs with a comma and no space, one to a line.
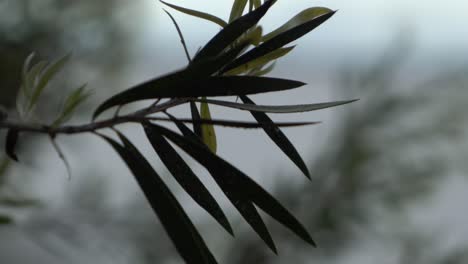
182,40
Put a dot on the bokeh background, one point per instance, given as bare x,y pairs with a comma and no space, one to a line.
389,171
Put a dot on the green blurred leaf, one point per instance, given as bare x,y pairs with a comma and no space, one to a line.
224,175
260,61
198,14
188,180
73,100
299,19
177,224
237,9
278,109
5,220
45,78
278,137
179,85
232,32
208,131
11,142
25,71
279,41
32,77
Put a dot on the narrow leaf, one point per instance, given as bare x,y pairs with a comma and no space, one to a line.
279,138
183,78
258,62
256,193
177,86
279,41
238,124
232,32
177,224
74,99
188,180
46,76
208,131
299,19
198,14
11,142
237,9
196,117
277,109
271,206
223,173
263,71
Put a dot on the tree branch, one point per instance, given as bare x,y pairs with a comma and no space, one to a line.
135,117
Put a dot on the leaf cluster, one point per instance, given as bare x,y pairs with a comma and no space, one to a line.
232,63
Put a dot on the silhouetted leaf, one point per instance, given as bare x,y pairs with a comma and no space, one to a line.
222,173
188,180
277,109
179,86
271,206
259,62
239,188
198,14
299,19
232,32
279,138
10,144
278,41
208,131
195,72
196,117
180,229
237,124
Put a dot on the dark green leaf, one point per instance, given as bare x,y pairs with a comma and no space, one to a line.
240,188
176,86
188,180
232,32
208,131
238,124
196,117
198,14
277,109
261,61
279,138
271,206
258,195
279,41
10,145
180,229
195,72
222,173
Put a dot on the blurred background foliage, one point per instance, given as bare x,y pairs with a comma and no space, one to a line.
385,160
